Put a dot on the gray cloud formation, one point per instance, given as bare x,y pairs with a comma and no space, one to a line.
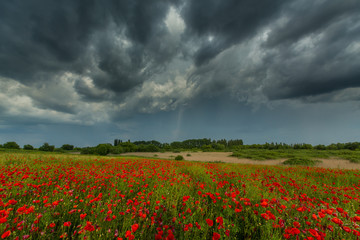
147,56
315,52
222,24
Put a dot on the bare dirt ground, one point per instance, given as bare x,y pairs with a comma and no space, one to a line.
225,157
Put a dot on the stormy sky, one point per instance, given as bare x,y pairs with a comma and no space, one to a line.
87,71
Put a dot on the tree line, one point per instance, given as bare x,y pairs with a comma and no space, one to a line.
203,144
46,147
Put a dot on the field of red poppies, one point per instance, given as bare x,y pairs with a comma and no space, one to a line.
76,197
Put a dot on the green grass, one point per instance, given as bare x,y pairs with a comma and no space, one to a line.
301,161
264,154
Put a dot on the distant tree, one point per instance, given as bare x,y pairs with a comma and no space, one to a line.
1,146
307,146
47,148
207,148
236,142
11,145
320,147
218,146
117,142
147,148
332,147
176,145
88,150
28,147
103,149
67,147
117,150
352,145
128,146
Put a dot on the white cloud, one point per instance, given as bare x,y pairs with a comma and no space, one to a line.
174,22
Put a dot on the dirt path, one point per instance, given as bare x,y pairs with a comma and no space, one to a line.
225,157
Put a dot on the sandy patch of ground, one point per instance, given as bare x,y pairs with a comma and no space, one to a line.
225,157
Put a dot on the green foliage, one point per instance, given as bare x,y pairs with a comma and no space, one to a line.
179,158
147,148
207,148
47,148
301,161
88,150
67,147
128,146
218,146
152,142
264,154
320,147
59,150
117,150
11,145
103,149
28,147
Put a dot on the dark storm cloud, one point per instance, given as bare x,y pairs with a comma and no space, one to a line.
308,50
309,60
43,38
307,17
221,24
111,49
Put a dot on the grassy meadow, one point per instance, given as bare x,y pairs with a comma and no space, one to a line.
44,196
313,154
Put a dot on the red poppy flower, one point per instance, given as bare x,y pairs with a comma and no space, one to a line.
216,236
67,224
6,234
134,227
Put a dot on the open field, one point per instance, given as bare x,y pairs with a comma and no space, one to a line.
49,196
226,157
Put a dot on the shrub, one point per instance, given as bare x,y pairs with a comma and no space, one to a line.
11,145
67,147
103,149
88,150
301,161
28,147
179,158
117,150
47,148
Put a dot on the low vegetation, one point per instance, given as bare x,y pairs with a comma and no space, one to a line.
348,151
301,161
179,158
266,154
53,196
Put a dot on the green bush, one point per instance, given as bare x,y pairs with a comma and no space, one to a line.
103,149
88,150
28,147
47,148
117,150
301,161
179,158
67,147
11,145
